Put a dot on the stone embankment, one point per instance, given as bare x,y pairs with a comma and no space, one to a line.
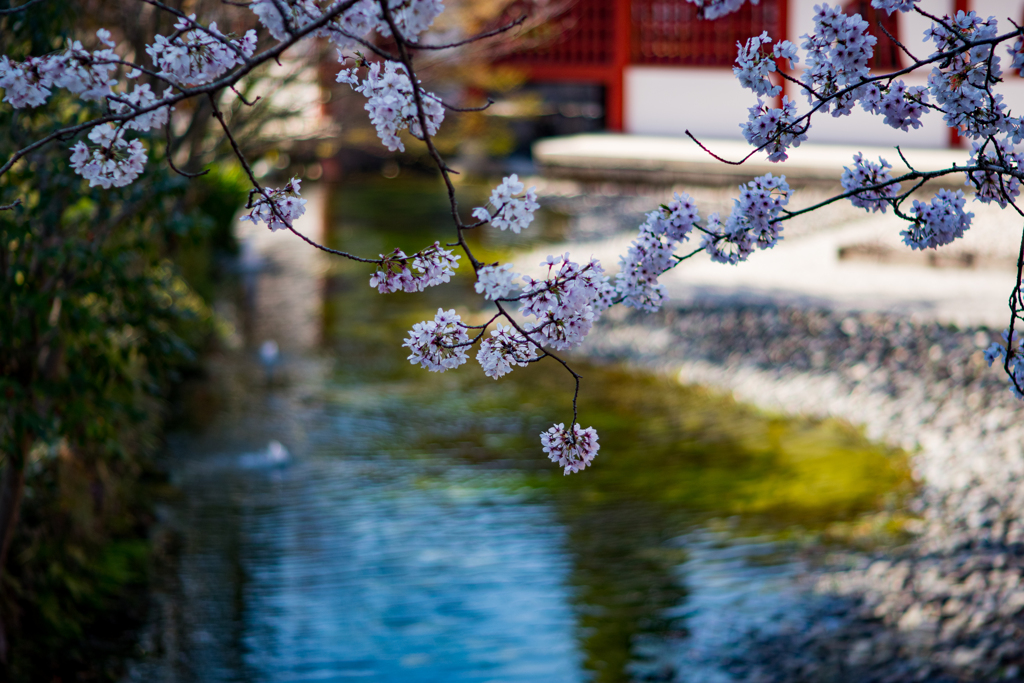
895,346
950,605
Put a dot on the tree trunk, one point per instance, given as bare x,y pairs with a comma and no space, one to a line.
12,488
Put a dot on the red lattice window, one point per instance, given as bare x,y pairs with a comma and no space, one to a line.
668,32
583,35
887,54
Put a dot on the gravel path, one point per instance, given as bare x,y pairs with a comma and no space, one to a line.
896,348
952,602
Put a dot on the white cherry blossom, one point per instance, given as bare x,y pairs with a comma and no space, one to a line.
505,348
865,174
511,211
111,161
398,272
195,54
26,84
279,209
435,344
391,103
937,223
496,282
573,450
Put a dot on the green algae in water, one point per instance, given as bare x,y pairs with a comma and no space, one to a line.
672,446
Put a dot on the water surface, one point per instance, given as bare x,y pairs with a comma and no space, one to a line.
349,517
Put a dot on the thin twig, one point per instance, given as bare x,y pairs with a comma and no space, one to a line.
480,36
20,8
170,161
266,195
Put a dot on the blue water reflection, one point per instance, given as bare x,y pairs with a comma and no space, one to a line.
359,520
349,568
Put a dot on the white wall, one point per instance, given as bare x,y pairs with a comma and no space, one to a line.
662,100
861,127
710,103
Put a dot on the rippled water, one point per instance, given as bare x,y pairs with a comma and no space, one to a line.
347,517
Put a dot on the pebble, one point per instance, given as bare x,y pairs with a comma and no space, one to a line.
948,606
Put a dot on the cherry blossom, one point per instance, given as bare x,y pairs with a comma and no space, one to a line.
713,9
902,106
560,307
194,54
26,84
937,223
434,266
496,282
838,55
774,129
997,352
111,161
563,301
297,14
142,97
391,103
277,208
87,74
755,62
511,212
752,223
571,450
992,186
891,6
411,17
434,344
503,349
865,174
961,83
639,268
652,253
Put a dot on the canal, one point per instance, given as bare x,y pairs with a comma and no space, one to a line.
341,515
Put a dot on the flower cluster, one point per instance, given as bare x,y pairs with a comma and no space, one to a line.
961,84
511,212
755,62
991,186
395,271
997,352
902,106
572,450
891,6
774,129
140,99
277,208
713,9
195,54
752,223
411,17
26,84
839,55
867,174
391,103
111,161
505,347
438,344
496,282
651,253
938,223
563,302
87,74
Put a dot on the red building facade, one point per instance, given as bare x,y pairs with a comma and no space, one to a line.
597,41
